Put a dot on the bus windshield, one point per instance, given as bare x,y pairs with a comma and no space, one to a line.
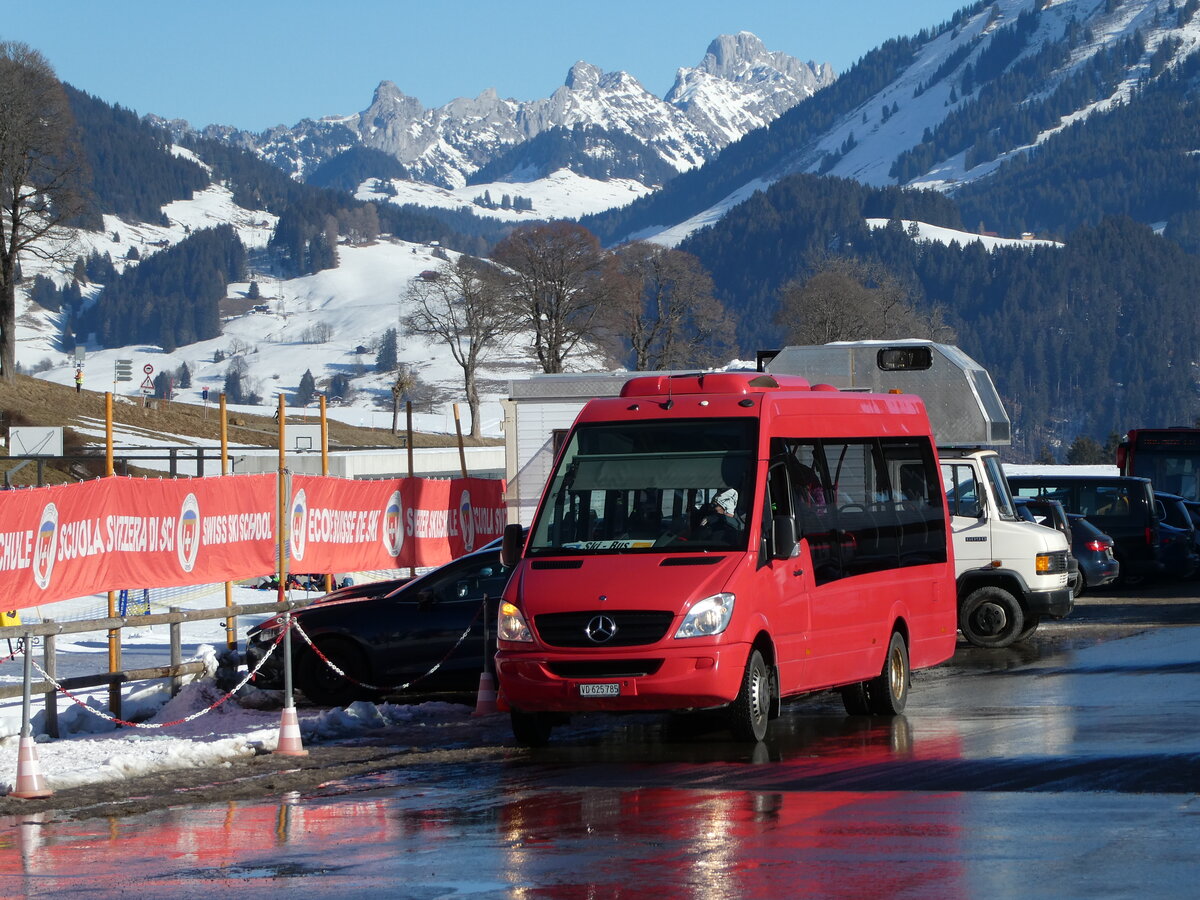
623,487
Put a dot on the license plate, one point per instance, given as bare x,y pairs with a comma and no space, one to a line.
600,690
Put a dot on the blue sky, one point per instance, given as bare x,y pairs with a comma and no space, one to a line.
258,63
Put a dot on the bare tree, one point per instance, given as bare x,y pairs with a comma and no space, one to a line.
465,308
561,280
41,176
665,310
848,299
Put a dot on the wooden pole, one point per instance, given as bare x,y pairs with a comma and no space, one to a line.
281,511
230,621
462,453
114,634
408,440
325,469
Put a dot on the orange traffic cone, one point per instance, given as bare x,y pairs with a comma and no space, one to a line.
485,702
30,783
289,734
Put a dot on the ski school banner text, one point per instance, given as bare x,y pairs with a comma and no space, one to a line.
115,533
338,525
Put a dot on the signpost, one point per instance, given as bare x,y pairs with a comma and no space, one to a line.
147,382
123,370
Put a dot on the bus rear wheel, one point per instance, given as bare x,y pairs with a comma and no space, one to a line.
887,693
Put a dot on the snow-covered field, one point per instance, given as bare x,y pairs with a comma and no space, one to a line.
328,323
201,727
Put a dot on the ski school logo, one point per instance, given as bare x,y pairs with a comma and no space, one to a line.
187,533
466,521
45,546
299,524
393,525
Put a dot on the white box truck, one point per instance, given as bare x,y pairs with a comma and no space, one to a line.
1011,573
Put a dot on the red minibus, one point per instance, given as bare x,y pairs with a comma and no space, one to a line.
726,540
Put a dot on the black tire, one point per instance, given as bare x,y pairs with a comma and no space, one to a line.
1032,621
991,617
325,687
750,712
1081,585
887,693
854,698
531,729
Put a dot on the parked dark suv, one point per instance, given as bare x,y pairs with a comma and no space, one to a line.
1120,506
1177,537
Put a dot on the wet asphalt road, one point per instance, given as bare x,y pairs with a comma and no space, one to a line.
1066,767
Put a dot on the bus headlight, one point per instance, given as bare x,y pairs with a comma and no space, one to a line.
707,617
511,625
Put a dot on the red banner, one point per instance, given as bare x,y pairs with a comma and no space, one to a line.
115,533
338,525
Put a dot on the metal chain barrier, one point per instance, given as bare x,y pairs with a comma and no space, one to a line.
397,687
197,714
20,648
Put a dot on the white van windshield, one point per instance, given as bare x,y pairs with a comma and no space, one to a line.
995,476
633,486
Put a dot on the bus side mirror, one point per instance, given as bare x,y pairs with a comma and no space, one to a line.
511,545
784,542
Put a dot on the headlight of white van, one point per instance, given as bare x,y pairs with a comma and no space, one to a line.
511,625
707,617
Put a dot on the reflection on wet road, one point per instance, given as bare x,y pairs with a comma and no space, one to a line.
1071,774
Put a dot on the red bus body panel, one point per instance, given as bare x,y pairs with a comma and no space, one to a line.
819,635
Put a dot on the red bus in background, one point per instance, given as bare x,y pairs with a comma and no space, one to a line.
724,541
1169,457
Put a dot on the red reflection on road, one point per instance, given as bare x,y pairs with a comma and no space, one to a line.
194,837
675,843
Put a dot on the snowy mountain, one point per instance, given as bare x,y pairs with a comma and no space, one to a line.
945,109
738,86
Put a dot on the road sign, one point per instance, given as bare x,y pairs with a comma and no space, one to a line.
147,384
123,370
148,369
204,394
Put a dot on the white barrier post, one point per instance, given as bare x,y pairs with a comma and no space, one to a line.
485,699
289,725
30,784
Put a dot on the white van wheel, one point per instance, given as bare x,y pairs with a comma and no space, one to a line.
991,617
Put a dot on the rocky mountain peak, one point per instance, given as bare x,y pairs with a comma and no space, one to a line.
583,76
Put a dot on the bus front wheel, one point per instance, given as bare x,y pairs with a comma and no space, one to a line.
750,712
531,729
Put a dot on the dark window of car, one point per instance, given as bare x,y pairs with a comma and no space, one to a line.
470,578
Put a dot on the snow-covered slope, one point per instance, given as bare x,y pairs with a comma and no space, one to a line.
354,305
560,195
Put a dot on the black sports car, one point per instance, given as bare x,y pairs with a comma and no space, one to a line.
391,637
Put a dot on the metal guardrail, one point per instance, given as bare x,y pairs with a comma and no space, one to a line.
49,630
